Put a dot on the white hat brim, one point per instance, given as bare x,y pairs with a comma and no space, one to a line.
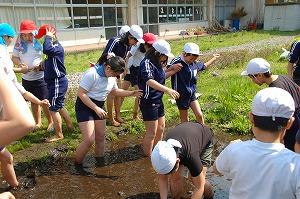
141,41
244,73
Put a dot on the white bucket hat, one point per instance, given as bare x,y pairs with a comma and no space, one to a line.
163,156
256,66
137,32
191,48
273,102
124,29
163,47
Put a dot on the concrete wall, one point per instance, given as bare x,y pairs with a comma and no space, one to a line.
282,17
175,29
81,36
254,8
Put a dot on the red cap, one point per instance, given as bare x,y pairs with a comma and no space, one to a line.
149,38
27,26
42,31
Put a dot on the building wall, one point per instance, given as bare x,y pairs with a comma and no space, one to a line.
282,17
172,29
254,8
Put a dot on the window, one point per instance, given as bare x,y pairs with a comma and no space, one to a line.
109,16
95,16
80,17
174,11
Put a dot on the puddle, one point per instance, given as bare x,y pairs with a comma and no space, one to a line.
125,174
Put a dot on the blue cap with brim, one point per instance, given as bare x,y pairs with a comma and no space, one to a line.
7,30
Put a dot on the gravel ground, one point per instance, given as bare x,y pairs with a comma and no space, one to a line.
75,78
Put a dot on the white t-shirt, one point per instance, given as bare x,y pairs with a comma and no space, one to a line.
7,65
260,170
31,58
97,87
137,56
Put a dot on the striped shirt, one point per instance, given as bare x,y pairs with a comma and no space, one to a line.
114,45
149,71
54,64
185,80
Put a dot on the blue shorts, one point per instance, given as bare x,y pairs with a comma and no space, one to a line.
152,111
133,76
37,87
183,103
84,113
57,90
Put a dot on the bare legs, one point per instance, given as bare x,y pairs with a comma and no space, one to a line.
201,186
154,133
195,106
7,168
56,116
36,112
92,131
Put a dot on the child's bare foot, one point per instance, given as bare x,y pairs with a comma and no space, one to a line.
37,127
54,139
50,127
114,123
136,116
119,119
70,126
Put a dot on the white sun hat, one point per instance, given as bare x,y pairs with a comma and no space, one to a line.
163,47
191,48
256,66
163,156
137,32
273,102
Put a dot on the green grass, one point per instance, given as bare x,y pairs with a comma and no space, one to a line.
79,62
225,101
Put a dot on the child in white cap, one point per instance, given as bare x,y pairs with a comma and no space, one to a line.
187,146
263,167
258,69
151,80
120,47
185,80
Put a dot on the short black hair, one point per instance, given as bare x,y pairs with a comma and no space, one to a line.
116,63
267,74
268,124
153,56
124,38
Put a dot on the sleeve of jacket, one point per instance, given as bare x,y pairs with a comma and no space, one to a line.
110,46
49,48
295,52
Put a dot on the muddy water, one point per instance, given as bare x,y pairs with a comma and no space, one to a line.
124,173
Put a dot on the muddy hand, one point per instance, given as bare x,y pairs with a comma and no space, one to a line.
24,68
101,113
138,93
45,102
176,67
174,94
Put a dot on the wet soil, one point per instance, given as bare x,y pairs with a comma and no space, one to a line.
123,173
